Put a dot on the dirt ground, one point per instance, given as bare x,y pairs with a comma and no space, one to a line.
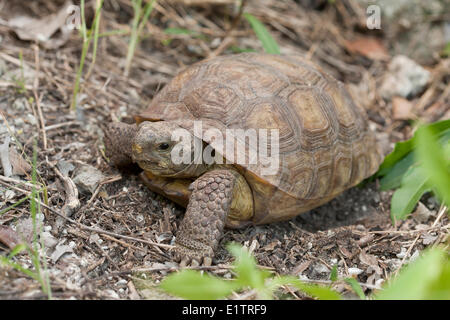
121,228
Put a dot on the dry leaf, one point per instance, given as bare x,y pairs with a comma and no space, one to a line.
9,237
25,228
19,165
301,267
41,30
401,109
60,250
365,240
345,252
369,47
271,246
371,261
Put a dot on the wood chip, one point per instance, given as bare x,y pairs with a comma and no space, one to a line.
301,267
368,47
19,165
401,109
9,237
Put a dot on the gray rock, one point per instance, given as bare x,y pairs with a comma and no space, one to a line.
405,78
60,250
422,214
65,167
24,227
110,294
4,157
20,104
87,178
19,122
320,268
31,119
9,195
49,240
354,271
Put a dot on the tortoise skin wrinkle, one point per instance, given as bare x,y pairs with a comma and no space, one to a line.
325,145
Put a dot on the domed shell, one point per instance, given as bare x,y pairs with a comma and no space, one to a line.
325,145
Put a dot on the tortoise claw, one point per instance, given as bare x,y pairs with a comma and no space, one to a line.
207,261
202,227
184,262
192,257
194,263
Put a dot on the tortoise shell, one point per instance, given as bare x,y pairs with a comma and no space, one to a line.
325,145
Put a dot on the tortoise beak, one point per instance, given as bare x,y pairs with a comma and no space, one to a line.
136,148
136,151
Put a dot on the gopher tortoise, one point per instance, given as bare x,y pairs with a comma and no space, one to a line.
322,145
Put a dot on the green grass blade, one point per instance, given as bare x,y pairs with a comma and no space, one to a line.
35,210
356,288
246,268
86,43
414,185
17,249
393,178
179,31
110,33
139,21
334,273
147,10
435,164
446,50
237,49
96,27
268,42
15,204
7,262
84,50
316,291
402,149
190,284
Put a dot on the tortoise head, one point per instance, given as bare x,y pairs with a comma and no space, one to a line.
158,148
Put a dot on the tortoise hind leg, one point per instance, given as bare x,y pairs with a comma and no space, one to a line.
206,214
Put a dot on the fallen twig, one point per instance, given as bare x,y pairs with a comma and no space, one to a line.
72,203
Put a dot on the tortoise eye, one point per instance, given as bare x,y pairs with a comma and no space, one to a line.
163,146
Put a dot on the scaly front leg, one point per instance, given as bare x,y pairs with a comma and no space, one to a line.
207,211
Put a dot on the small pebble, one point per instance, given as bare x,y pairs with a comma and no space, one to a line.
87,178
406,78
121,282
321,268
354,271
402,253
